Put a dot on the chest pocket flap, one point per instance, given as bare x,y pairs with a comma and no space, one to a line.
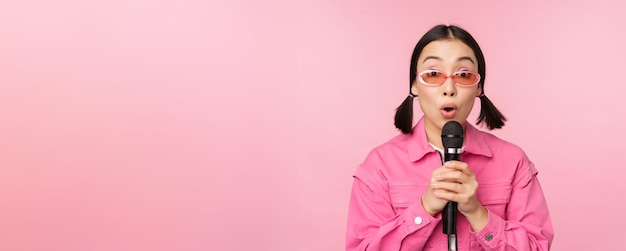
404,193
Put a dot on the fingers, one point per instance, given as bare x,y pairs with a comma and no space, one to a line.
448,186
454,192
454,181
446,195
467,203
454,171
451,176
459,166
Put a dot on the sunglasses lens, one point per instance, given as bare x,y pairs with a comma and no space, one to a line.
466,78
433,77
463,78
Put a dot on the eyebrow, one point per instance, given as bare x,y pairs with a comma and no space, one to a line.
438,58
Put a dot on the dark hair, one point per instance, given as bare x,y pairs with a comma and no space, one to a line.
489,114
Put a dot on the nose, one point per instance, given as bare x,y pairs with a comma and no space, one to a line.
449,87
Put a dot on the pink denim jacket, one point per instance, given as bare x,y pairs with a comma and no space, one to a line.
386,214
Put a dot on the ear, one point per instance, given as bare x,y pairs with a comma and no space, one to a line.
479,90
414,89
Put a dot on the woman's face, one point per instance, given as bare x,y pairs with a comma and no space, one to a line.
448,101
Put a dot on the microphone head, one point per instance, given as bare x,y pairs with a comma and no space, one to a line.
452,135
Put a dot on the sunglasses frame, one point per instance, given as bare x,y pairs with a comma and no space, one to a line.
453,76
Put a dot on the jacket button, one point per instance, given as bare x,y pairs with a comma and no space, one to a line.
418,220
488,237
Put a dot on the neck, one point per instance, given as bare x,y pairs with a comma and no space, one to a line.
433,134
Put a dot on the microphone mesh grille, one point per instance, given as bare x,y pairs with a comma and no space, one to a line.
452,135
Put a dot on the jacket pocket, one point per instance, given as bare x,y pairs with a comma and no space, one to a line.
404,193
494,194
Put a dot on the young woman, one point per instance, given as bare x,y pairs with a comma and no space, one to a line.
401,188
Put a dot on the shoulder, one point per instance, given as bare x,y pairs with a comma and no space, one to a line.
396,147
510,159
380,157
501,147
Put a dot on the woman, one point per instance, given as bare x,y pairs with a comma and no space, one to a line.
401,188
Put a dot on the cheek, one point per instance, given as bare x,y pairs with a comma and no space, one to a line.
468,104
426,91
426,98
468,107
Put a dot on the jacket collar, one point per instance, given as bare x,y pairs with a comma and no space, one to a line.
474,142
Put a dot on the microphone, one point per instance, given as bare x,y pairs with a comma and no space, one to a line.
452,139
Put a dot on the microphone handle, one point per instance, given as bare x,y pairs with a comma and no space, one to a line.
450,211
449,218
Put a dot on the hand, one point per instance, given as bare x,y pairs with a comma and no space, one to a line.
454,181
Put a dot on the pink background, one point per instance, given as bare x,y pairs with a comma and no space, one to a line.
187,125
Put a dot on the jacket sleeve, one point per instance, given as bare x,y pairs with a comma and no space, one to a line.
373,223
527,225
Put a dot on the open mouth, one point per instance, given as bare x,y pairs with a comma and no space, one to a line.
448,111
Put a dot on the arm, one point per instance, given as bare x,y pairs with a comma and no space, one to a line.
527,225
374,225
